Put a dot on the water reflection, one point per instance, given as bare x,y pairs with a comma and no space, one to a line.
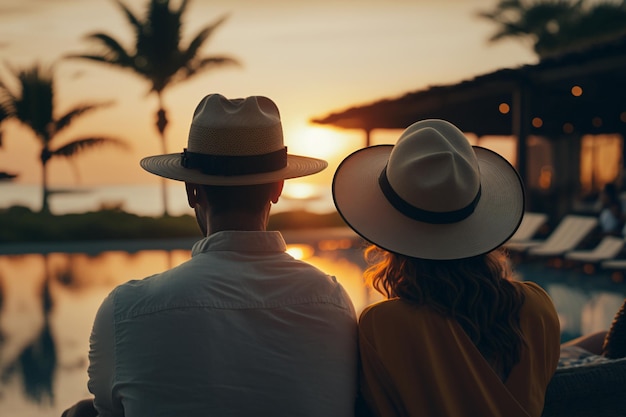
47,306
48,303
585,303
28,351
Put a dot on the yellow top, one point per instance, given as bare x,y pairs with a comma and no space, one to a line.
415,362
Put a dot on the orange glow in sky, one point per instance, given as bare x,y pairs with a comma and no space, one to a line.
312,57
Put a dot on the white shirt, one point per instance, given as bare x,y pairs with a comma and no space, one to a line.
241,329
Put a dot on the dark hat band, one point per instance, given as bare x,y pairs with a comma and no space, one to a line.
227,165
426,216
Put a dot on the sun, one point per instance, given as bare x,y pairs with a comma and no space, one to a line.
317,142
300,191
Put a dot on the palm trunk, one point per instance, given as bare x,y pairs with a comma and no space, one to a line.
45,208
161,123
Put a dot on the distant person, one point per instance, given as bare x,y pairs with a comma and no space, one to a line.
611,214
457,336
242,328
599,346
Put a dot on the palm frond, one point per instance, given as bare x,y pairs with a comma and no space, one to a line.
183,7
162,30
76,146
97,58
202,65
132,19
113,53
201,37
158,54
7,103
508,30
4,113
66,119
35,105
7,176
557,25
602,18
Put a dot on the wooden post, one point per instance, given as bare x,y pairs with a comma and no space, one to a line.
521,126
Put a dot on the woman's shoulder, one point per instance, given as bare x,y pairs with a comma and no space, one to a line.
384,309
537,302
398,312
380,306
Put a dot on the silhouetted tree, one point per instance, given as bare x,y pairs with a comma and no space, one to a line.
4,115
158,55
33,105
553,26
4,176
36,363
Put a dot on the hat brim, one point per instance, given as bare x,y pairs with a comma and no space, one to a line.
169,166
361,203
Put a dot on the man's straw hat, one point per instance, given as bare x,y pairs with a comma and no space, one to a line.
234,142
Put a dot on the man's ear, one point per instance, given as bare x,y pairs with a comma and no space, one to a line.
277,190
192,194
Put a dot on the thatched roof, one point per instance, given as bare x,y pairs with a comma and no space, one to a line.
544,90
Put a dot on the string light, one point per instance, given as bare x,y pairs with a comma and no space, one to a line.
568,128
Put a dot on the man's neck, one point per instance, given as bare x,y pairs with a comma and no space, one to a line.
236,221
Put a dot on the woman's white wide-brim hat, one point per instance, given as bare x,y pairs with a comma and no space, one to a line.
431,196
234,142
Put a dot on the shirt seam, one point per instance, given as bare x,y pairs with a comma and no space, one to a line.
296,302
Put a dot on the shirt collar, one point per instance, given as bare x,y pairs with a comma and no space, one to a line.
241,241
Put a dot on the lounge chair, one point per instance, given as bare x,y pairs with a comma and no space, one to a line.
608,248
531,223
594,390
614,264
569,233
523,237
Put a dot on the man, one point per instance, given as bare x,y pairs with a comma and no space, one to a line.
242,328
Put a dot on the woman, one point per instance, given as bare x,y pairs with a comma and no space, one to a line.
457,335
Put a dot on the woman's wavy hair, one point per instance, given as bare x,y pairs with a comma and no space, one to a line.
475,291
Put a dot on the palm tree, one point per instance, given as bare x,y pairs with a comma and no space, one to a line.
4,176
158,56
33,106
554,26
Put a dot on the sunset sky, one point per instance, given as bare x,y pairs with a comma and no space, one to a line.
311,56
